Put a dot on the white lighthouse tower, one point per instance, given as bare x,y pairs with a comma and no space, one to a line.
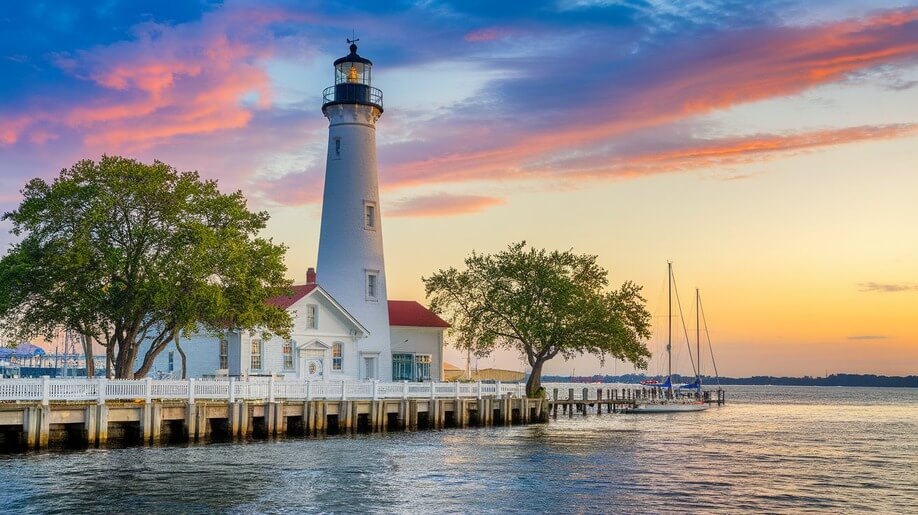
350,265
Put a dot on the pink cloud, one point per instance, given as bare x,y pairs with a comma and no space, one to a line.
486,34
696,79
697,154
168,81
441,204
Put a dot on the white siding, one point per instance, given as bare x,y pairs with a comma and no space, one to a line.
420,340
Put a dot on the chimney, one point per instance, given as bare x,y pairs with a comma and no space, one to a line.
311,275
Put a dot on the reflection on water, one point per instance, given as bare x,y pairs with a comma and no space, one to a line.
770,449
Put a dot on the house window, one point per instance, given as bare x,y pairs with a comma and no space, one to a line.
369,215
256,355
372,285
171,361
402,367
224,354
337,356
311,314
288,355
422,366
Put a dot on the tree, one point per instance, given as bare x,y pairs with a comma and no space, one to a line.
129,255
541,304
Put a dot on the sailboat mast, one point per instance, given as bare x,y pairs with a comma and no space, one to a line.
669,318
698,334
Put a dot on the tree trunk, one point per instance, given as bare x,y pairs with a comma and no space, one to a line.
182,354
87,352
124,365
109,358
534,384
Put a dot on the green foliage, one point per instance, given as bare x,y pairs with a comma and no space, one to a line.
131,254
542,304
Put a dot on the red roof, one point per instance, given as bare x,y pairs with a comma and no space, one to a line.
410,313
401,312
299,291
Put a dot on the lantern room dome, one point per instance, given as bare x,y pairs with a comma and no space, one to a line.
353,57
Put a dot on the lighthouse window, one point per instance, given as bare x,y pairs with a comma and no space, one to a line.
372,286
338,147
369,211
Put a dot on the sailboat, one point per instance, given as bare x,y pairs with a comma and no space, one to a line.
668,402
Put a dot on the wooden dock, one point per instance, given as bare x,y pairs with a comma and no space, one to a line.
592,399
33,426
43,413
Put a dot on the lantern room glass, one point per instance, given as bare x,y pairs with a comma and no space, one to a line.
352,73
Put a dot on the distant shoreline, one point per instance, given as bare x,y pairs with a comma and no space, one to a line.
853,380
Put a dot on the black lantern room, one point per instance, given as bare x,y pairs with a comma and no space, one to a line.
353,82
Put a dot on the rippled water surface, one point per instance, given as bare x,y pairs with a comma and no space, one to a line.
776,449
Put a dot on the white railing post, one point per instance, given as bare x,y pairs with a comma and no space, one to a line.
308,390
375,389
232,390
456,389
271,389
404,389
479,388
147,389
433,389
100,385
499,393
343,390
45,390
191,390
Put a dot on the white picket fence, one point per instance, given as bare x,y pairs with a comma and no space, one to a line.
47,390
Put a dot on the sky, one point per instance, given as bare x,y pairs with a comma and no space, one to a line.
768,149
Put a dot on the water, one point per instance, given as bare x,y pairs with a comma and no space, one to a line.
775,449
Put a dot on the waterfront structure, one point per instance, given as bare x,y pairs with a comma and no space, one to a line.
344,325
36,413
350,262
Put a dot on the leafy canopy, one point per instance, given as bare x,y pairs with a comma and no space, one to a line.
542,304
132,254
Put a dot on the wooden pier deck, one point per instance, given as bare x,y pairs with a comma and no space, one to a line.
43,413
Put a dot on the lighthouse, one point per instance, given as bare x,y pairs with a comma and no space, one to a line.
350,264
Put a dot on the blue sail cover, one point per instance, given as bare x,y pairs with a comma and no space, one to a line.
691,386
23,350
667,385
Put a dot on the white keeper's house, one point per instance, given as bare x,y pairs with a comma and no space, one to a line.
344,325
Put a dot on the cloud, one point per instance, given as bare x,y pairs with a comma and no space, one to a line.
701,153
868,337
487,34
573,105
550,104
441,204
887,287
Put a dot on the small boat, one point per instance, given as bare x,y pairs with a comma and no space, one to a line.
667,406
669,401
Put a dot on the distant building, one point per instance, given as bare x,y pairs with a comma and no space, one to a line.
344,325
453,373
